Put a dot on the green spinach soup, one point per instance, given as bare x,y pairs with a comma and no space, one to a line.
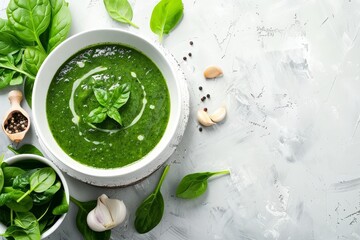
108,106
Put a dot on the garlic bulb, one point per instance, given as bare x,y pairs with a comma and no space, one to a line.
108,214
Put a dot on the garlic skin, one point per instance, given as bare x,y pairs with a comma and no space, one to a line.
213,72
107,214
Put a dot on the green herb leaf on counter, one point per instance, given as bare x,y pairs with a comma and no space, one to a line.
149,213
120,10
81,223
195,184
37,26
165,16
60,24
26,149
110,101
32,59
29,19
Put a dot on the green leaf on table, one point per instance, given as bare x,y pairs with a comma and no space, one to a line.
32,59
60,24
120,10
110,101
29,18
148,215
6,77
16,80
28,87
195,184
83,210
26,149
165,16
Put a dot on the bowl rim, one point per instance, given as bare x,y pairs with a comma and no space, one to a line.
21,157
181,91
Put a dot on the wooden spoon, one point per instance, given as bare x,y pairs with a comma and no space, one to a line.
16,111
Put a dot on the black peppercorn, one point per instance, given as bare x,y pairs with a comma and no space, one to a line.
200,88
200,129
205,109
203,98
190,54
191,43
184,58
208,95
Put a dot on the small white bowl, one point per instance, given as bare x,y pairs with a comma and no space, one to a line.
25,157
179,110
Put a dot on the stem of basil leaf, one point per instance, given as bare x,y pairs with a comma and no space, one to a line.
222,172
162,179
18,70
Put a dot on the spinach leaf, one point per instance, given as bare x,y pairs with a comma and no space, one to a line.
28,87
5,78
165,16
148,215
10,173
84,209
110,100
29,224
120,10
26,149
2,178
45,197
194,185
9,62
40,181
16,80
62,207
60,23
9,198
32,59
29,18
8,43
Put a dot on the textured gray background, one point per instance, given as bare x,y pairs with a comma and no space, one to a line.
291,139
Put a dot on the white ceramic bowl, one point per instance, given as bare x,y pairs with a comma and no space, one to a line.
179,101
26,157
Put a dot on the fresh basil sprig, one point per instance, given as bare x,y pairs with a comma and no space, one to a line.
165,16
195,184
110,101
120,10
81,223
149,213
33,29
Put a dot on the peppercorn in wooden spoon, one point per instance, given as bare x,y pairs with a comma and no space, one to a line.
16,122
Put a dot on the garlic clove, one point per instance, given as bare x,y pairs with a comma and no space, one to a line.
218,115
213,72
204,119
117,209
94,223
107,214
